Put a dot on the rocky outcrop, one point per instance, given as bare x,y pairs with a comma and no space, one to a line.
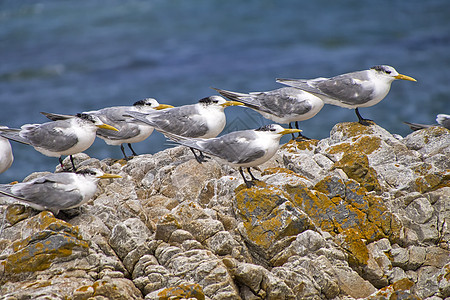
361,214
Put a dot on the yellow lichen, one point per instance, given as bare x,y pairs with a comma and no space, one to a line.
265,220
52,238
356,166
182,291
364,144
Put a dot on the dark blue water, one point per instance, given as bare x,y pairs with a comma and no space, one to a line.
72,56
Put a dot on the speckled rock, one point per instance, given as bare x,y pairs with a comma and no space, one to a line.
361,208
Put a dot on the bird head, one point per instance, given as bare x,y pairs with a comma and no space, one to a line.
277,129
151,103
218,101
390,73
94,172
93,119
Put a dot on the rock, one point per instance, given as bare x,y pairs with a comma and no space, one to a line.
362,214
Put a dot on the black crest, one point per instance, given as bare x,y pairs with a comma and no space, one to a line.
86,117
381,69
207,100
266,128
86,172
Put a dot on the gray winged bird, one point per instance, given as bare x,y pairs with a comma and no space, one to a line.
283,106
128,132
442,120
6,155
243,149
351,90
57,191
205,119
62,137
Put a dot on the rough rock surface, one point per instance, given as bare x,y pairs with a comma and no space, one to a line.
360,214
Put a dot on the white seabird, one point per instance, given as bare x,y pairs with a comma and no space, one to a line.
6,154
205,119
242,149
57,191
62,137
129,132
351,90
283,106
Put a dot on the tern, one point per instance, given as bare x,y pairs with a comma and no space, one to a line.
6,154
129,132
242,149
351,90
205,119
57,191
283,106
62,137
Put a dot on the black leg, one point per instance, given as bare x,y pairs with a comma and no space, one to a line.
253,177
123,151
300,135
132,151
250,183
73,164
61,162
361,120
200,158
290,127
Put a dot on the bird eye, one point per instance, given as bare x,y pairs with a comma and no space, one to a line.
387,72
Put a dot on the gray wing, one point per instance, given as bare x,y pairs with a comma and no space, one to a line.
444,120
234,147
346,89
53,191
115,116
283,102
342,87
181,120
280,102
49,135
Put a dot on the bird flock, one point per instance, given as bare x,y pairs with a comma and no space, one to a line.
196,126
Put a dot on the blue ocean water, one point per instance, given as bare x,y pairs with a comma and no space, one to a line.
72,56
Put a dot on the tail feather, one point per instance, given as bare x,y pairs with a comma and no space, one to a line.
416,126
185,141
247,99
56,117
142,117
13,135
301,84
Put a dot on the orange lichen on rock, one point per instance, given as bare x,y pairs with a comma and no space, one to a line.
182,291
356,165
364,144
268,215
294,145
51,239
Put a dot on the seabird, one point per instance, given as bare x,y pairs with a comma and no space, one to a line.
283,106
129,132
57,191
6,155
351,90
62,137
242,149
205,119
